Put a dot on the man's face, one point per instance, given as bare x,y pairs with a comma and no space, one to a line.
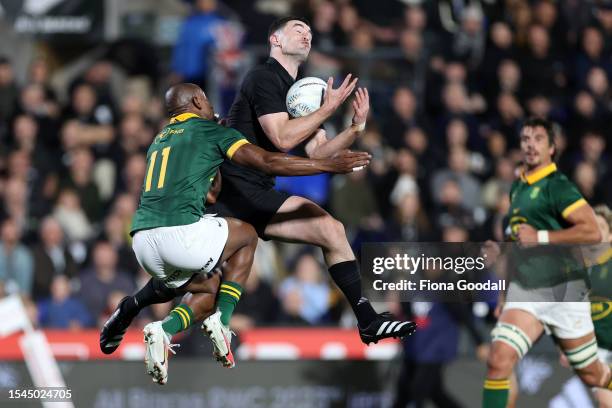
535,147
295,39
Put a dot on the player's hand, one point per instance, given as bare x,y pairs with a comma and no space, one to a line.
526,234
335,97
348,161
361,106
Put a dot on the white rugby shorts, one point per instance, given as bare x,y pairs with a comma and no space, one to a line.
175,254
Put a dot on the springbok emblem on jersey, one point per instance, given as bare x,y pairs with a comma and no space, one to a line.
534,193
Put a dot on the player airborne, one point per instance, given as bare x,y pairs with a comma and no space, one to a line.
545,208
260,114
173,240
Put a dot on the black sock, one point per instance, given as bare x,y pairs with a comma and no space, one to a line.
346,276
153,292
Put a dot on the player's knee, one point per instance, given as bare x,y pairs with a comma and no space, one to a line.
500,363
250,235
332,231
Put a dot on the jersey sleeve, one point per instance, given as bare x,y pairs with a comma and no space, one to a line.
565,197
265,93
230,140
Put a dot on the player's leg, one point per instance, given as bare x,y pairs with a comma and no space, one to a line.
238,254
300,220
197,303
153,292
604,396
582,355
513,335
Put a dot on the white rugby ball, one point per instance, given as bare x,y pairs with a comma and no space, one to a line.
305,96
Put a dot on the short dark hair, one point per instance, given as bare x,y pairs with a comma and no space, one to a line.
535,121
281,22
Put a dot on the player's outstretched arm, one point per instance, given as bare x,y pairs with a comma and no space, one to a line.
583,230
286,133
319,146
280,164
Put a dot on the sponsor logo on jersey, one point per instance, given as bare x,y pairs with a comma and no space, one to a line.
534,193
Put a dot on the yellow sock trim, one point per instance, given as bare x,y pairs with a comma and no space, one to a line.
184,316
230,288
497,384
230,293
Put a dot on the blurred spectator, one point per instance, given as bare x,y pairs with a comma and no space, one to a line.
305,296
457,171
8,90
430,349
324,33
508,118
585,177
115,233
591,55
500,48
191,60
69,213
16,265
469,41
411,69
350,212
401,118
51,258
348,21
545,74
80,180
102,278
39,73
410,222
499,184
15,205
94,120
133,174
62,310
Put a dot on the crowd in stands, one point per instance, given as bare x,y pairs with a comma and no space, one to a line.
450,83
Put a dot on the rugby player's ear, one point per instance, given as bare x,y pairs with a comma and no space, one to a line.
195,100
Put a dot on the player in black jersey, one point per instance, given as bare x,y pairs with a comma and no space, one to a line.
260,114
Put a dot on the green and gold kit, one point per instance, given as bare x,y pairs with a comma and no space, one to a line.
181,164
544,200
600,277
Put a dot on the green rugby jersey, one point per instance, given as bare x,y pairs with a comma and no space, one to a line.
600,277
181,164
544,200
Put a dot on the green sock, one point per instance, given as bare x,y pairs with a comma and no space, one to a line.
495,393
229,295
179,319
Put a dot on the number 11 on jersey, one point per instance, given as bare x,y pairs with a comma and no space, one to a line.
162,171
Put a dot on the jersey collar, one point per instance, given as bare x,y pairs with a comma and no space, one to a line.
183,117
538,174
276,66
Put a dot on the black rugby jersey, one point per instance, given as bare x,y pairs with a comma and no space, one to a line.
263,91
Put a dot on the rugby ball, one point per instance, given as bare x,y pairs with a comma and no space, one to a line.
305,96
